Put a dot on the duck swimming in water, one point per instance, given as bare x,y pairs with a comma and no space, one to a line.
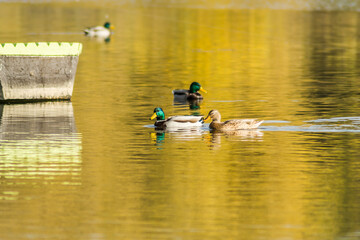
175,121
191,94
231,125
99,31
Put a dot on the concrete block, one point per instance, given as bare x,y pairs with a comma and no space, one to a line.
38,71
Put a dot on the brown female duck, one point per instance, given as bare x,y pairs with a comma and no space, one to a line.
231,125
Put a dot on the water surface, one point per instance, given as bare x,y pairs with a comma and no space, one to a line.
95,168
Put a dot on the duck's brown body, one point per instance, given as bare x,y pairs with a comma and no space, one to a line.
231,125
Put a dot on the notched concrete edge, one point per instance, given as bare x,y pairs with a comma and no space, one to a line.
41,49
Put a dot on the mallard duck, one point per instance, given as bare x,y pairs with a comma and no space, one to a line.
192,93
231,125
99,31
175,121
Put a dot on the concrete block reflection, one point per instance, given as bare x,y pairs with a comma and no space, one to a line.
39,141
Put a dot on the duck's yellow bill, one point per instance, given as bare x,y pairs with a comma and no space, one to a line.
112,27
153,116
202,90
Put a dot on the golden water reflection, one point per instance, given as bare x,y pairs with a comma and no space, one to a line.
211,138
39,144
116,179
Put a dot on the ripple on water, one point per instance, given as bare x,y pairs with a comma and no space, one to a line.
336,124
355,120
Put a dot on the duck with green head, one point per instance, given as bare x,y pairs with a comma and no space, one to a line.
192,93
175,121
99,31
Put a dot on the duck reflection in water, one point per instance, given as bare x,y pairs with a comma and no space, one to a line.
158,137
101,40
239,135
177,134
193,104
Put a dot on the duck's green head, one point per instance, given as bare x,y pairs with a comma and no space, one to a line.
108,25
195,86
158,114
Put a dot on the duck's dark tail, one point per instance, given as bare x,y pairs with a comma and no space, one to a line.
86,31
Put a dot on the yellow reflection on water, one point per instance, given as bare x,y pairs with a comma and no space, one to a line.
140,184
39,141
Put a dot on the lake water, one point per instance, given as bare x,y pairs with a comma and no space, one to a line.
95,167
